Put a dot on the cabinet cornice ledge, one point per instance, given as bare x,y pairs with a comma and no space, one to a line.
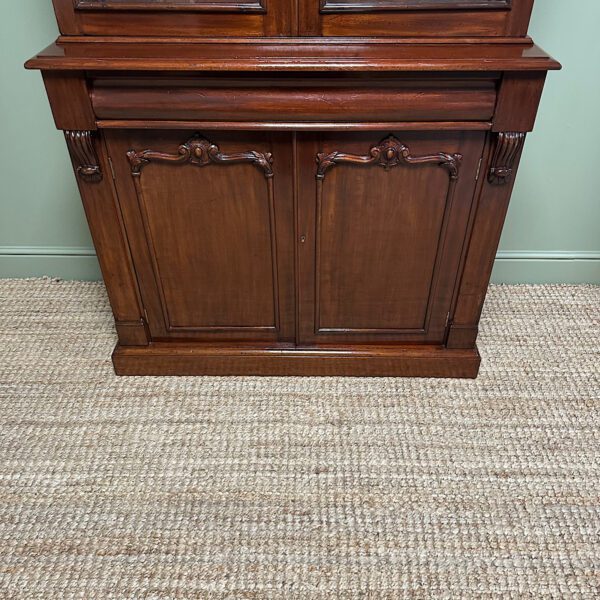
289,57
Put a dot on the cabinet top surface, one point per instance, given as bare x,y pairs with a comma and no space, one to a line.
293,55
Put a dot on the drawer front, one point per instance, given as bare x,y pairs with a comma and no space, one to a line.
296,101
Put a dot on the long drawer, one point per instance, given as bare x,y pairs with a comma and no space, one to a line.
295,99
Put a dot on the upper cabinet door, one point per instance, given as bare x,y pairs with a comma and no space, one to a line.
382,226
268,18
415,18
173,5
176,18
391,5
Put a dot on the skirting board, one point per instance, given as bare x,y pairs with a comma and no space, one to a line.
69,262
511,267
546,267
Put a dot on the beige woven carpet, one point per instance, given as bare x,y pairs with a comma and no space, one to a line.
302,487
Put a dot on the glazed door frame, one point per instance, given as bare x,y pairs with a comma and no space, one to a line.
174,5
277,18
175,18
415,18
133,154
456,154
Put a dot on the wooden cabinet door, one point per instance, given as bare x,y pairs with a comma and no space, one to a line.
382,223
209,220
173,18
414,18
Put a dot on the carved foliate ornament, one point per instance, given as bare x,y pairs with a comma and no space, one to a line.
388,153
200,152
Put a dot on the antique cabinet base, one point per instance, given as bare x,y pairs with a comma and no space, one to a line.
359,361
295,188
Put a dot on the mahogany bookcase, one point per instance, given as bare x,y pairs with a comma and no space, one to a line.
300,187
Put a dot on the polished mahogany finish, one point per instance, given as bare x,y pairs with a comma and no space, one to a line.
312,187
384,224
292,55
405,18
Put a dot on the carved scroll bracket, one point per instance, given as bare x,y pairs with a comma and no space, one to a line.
387,154
82,151
200,152
508,146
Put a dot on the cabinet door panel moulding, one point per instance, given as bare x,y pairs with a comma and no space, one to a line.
176,5
392,5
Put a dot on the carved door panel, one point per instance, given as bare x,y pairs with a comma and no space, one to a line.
382,224
209,220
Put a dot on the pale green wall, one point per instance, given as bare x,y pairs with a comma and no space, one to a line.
553,228
42,225
552,231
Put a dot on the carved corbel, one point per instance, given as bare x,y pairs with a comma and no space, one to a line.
83,153
508,146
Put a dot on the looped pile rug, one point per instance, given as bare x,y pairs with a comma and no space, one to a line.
317,488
